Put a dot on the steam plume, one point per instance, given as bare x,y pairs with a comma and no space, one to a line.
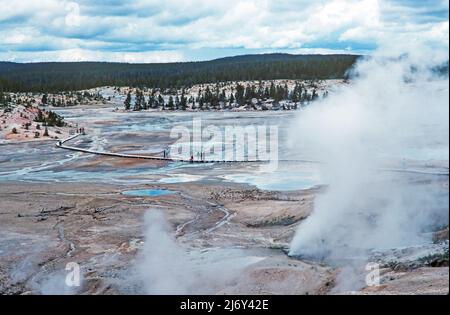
394,111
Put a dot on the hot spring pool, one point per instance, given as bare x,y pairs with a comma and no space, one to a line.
148,192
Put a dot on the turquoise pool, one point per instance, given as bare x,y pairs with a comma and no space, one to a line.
148,192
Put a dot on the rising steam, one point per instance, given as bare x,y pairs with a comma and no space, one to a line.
165,267
392,114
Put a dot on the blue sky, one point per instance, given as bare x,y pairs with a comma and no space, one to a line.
175,30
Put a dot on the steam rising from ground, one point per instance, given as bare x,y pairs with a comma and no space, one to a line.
165,267
394,108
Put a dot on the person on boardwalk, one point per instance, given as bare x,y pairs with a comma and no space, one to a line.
191,159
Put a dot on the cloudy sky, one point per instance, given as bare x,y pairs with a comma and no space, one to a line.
185,30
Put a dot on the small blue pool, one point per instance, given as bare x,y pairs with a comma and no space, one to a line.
148,192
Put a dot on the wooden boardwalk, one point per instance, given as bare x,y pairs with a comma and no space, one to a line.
61,144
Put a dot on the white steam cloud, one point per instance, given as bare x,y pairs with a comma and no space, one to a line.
165,267
394,111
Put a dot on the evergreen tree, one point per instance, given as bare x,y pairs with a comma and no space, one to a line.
161,102
3,101
223,96
272,90
231,100
193,102
127,102
137,101
265,93
207,97
314,95
151,101
239,96
295,96
279,93
144,103
248,94
199,95
177,102
170,105
183,102
44,99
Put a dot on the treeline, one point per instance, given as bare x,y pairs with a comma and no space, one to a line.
253,96
4,99
64,99
71,76
61,99
50,119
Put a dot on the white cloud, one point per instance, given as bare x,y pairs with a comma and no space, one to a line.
121,30
76,54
